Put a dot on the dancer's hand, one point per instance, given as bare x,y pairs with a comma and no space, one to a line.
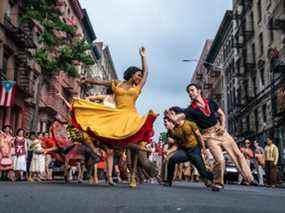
168,124
142,52
170,115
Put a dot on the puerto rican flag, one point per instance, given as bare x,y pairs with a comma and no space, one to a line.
7,93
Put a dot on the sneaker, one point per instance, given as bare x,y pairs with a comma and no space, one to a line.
215,188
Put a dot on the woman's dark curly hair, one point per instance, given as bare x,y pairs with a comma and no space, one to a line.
19,130
130,72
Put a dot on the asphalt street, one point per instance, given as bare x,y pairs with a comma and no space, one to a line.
58,197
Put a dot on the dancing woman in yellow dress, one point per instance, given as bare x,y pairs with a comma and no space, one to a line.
121,125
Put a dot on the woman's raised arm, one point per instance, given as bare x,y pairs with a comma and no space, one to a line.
144,67
95,81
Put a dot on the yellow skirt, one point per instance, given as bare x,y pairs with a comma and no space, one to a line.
106,122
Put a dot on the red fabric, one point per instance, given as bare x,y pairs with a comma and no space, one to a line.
7,93
206,111
159,149
101,165
247,152
144,134
48,142
20,148
73,120
59,135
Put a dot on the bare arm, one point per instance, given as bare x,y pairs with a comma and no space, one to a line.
97,82
200,138
144,68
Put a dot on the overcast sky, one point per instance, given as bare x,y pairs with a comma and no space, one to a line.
170,30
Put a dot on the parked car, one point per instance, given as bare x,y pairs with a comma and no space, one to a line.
231,175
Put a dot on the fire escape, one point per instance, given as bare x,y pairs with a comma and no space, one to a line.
22,37
245,64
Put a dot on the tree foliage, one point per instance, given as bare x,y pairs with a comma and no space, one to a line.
60,47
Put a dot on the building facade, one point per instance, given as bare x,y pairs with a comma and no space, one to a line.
219,64
200,75
16,46
257,29
36,100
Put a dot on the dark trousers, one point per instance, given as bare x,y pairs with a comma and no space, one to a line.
29,160
270,173
192,155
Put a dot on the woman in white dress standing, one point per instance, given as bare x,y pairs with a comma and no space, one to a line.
38,161
21,147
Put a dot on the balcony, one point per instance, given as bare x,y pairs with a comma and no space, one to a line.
237,44
247,5
248,29
277,20
250,67
23,73
20,35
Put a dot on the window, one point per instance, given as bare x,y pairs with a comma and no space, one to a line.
256,119
264,113
238,96
246,89
262,76
251,23
259,11
248,123
253,52
261,47
5,64
271,36
254,86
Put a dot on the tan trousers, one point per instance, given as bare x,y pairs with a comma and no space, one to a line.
216,143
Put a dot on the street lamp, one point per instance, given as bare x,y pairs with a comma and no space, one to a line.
220,67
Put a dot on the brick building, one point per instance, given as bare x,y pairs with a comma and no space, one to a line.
36,100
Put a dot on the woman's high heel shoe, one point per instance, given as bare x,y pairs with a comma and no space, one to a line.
133,182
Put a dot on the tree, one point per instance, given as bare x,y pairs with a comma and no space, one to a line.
61,48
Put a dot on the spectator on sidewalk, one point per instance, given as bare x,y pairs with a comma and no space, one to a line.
6,160
21,149
38,161
259,162
271,160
